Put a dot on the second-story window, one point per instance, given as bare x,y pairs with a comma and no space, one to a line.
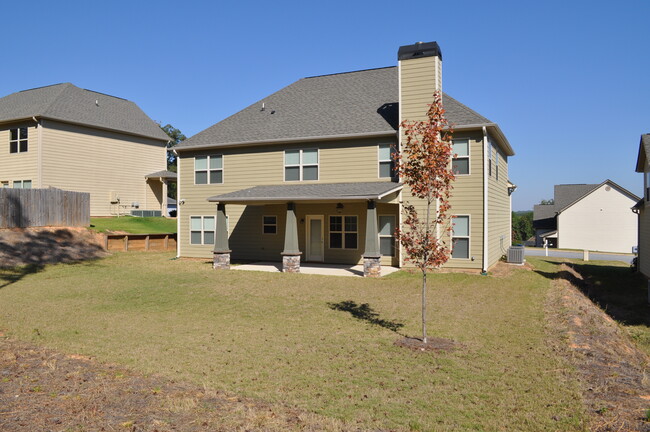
386,163
208,169
301,165
460,162
496,162
18,140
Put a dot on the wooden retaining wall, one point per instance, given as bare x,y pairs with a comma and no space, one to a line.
140,242
23,208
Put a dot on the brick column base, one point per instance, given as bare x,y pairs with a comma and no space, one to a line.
372,267
291,263
221,261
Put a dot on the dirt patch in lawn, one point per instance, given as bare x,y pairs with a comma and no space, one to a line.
44,390
48,245
613,372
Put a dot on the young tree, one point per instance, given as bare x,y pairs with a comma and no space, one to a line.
176,136
425,166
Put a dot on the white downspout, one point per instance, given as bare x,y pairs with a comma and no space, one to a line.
178,204
485,201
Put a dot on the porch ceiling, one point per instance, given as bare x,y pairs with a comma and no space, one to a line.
314,192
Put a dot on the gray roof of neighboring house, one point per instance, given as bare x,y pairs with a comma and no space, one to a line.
311,192
164,174
171,201
68,103
354,103
644,152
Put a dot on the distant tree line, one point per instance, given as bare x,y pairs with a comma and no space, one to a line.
522,226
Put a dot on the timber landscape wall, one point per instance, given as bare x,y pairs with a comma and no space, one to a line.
23,208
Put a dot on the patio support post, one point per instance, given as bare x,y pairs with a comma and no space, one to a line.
371,255
221,249
291,253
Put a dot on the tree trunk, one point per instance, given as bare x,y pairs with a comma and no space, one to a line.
424,306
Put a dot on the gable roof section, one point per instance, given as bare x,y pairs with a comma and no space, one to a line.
68,103
568,194
361,103
644,151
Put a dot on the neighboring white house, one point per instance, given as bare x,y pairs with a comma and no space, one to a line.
594,217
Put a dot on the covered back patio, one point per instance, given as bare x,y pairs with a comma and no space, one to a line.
319,223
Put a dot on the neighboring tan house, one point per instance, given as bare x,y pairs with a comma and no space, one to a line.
306,173
595,217
69,138
642,207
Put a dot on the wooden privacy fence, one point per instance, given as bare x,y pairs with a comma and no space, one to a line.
140,242
22,208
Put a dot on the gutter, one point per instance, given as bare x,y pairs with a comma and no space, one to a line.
485,201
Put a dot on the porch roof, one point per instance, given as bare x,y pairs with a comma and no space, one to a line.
314,192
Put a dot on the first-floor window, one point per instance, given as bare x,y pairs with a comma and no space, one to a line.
22,184
202,230
343,232
460,237
269,224
4,184
386,235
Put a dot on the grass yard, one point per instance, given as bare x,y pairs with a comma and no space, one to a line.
134,225
277,337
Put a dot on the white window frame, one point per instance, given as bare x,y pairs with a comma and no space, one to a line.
392,150
203,230
19,141
275,224
468,157
468,237
392,235
342,232
208,170
22,184
496,163
301,165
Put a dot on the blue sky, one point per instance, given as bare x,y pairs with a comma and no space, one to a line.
567,81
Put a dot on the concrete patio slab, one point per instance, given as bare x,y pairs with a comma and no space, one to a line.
313,268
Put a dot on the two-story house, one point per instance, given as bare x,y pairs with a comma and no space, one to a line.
306,173
70,138
643,208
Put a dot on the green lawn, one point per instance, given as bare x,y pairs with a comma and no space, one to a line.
276,337
135,225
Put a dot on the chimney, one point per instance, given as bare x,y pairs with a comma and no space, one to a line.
420,75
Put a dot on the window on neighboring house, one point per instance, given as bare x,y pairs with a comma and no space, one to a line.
386,162
496,162
208,169
343,232
460,162
489,146
269,224
647,185
460,237
18,140
301,165
202,230
22,184
4,184
387,235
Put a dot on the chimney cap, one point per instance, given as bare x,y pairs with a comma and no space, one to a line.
419,50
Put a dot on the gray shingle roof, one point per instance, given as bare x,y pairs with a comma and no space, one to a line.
68,103
164,173
309,192
362,102
644,152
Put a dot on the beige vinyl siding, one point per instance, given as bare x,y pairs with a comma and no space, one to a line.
601,221
499,229
644,240
417,85
84,159
19,166
244,167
